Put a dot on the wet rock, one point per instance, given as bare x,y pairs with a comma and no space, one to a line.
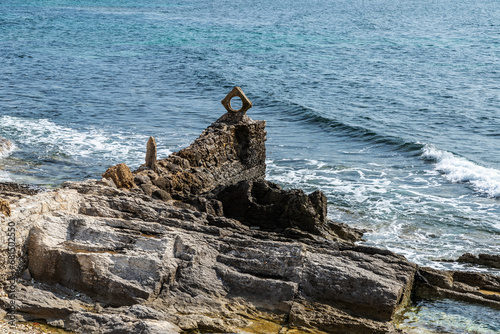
120,175
479,288
489,260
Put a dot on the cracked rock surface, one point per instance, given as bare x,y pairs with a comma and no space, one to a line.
189,270
199,242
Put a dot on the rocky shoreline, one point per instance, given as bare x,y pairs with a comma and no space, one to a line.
200,242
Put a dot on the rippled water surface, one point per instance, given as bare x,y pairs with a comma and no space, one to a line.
392,108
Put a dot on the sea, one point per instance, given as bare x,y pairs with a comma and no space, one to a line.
390,107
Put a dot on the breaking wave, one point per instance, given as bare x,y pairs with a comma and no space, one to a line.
51,139
48,153
457,169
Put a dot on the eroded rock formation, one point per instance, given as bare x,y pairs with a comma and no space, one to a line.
200,242
93,248
230,150
4,207
119,176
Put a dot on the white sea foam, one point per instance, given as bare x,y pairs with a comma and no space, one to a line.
5,176
6,147
94,143
403,210
460,170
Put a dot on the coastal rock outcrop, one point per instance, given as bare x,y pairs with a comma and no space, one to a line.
195,271
479,288
229,151
199,242
489,260
265,205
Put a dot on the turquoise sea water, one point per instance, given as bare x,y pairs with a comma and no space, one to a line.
392,108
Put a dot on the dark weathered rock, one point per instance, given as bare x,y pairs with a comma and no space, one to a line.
471,287
17,190
265,205
120,175
489,260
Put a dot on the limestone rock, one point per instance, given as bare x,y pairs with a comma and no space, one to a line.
471,287
28,205
62,307
123,249
120,175
304,315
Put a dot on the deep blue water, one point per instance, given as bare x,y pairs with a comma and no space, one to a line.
392,108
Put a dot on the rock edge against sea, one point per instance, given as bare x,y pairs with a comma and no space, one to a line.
200,242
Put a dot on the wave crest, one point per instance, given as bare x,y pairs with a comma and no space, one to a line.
47,139
457,169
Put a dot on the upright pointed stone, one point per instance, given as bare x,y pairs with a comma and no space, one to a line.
151,153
